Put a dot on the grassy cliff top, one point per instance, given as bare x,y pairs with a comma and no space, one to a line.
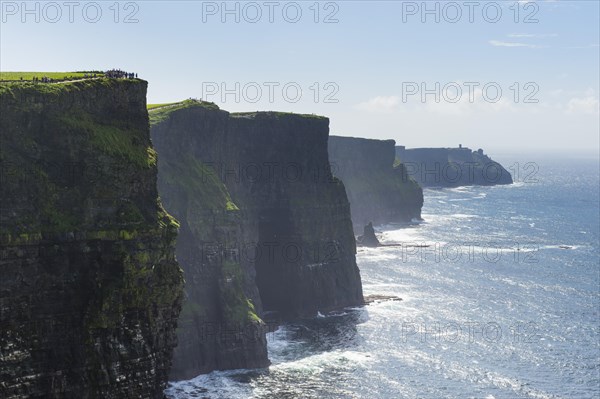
183,104
18,76
274,114
151,107
8,87
362,140
160,112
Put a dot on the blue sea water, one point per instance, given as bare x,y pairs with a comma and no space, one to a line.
500,299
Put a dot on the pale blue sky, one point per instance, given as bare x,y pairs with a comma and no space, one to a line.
372,56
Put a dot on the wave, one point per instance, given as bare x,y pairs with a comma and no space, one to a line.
561,246
215,385
463,216
518,184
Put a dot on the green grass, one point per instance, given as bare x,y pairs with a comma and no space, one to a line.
8,76
238,309
112,139
160,112
200,182
30,88
276,114
154,106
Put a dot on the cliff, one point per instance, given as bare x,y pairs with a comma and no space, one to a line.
378,189
90,290
265,227
219,327
452,167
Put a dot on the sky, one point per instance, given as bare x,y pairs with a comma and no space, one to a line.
500,75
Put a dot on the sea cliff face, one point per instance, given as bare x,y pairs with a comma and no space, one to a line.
219,327
452,167
378,189
275,215
90,290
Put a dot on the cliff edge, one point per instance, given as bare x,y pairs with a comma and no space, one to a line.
90,290
452,167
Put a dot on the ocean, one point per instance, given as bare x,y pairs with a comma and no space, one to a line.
500,291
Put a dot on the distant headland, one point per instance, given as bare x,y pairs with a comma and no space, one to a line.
451,167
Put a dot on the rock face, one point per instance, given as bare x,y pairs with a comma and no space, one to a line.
368,239
219,327
452,167
90,291
262,216
378,189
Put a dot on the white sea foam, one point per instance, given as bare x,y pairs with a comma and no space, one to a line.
561,246
463,216
215,385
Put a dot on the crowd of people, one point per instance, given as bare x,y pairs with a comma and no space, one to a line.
43,79
112,73
119,74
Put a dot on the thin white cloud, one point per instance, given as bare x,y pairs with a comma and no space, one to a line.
383,104
590,104
499,43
